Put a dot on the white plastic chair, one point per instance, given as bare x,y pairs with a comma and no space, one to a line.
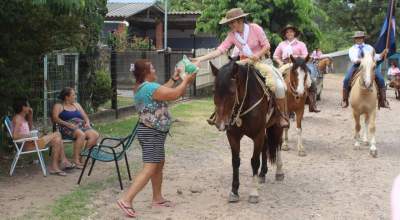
19,146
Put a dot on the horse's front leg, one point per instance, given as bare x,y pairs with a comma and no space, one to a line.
357,128
285,145
255,165
371,129
234,142
300,147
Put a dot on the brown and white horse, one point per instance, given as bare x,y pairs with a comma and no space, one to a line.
363,100
296,98
243,106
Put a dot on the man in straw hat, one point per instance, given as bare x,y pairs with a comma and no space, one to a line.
292,46
356,52
252,45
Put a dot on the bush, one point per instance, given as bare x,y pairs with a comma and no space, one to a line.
101,91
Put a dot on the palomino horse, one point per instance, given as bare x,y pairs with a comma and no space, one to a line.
363,99
325,65
296,98
243,106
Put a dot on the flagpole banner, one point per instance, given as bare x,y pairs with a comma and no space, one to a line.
387,35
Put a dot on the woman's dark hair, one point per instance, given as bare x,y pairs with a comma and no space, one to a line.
65,92
142,68
19,103
393,62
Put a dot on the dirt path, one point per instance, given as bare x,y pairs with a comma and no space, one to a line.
332,182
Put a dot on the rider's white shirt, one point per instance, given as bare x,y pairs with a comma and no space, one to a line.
353,52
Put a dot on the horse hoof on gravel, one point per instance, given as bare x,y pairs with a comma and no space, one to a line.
253,199
285,147
279,177
233,197
302,153
261,179
374,153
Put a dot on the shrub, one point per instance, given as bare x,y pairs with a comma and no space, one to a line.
101,91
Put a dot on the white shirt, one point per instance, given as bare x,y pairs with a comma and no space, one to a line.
354,52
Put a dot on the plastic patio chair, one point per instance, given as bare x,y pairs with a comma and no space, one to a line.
105,152
19,146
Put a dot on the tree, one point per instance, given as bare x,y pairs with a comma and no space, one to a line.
272,15
185,5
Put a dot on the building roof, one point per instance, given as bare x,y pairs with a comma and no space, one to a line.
184,13
128,9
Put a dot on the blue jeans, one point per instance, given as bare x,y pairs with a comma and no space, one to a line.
347,77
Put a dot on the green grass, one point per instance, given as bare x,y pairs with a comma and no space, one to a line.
191,116
121,102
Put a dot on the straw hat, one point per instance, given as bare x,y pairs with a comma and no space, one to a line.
233,14
359,34
289,26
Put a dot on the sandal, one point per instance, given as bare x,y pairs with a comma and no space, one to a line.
165,203
69,167
78,166
59,173
129,211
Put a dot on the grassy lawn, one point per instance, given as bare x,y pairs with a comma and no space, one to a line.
74,205
121,102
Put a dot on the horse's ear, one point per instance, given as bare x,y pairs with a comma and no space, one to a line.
235,70
307,58
292,59
214,69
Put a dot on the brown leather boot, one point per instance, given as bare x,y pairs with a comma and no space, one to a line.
211,120
283,119
345,101
312,106
383,103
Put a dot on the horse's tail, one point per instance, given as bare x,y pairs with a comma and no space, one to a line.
273,141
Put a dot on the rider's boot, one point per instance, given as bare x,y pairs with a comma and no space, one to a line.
282,108
312,106
383,103
345,100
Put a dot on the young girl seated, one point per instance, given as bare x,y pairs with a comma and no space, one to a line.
21,126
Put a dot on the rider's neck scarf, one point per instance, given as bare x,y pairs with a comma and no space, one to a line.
288,49
243,41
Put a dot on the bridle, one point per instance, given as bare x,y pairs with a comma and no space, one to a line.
292,90
235,115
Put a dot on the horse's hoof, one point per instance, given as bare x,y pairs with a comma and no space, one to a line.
374,153
253,199
279,177
233,197
285,147
261,179
302,153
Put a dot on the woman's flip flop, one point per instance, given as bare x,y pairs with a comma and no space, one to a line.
59,173
129,211
165,203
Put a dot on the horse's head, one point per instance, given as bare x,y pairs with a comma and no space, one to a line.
367,67
298,75
225,92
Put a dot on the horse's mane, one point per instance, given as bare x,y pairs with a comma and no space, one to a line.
367,61
223,79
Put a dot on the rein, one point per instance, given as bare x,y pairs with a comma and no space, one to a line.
291,87
235,117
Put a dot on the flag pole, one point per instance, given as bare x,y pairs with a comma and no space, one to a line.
390,24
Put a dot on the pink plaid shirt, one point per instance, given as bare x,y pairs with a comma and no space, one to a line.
298,47
256,40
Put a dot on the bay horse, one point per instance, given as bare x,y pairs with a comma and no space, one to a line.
243,106
363,100
296,96
325,65
395,84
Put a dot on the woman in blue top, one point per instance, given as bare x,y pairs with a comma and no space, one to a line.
155,121
74,123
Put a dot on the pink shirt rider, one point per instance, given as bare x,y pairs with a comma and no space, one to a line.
299,50
316,54
256,40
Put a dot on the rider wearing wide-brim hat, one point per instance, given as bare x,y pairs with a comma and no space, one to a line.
292,46
252,43
356,52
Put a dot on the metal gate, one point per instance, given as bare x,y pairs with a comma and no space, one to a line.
60,70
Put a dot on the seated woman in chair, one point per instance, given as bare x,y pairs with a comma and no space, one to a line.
74,123
21,126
